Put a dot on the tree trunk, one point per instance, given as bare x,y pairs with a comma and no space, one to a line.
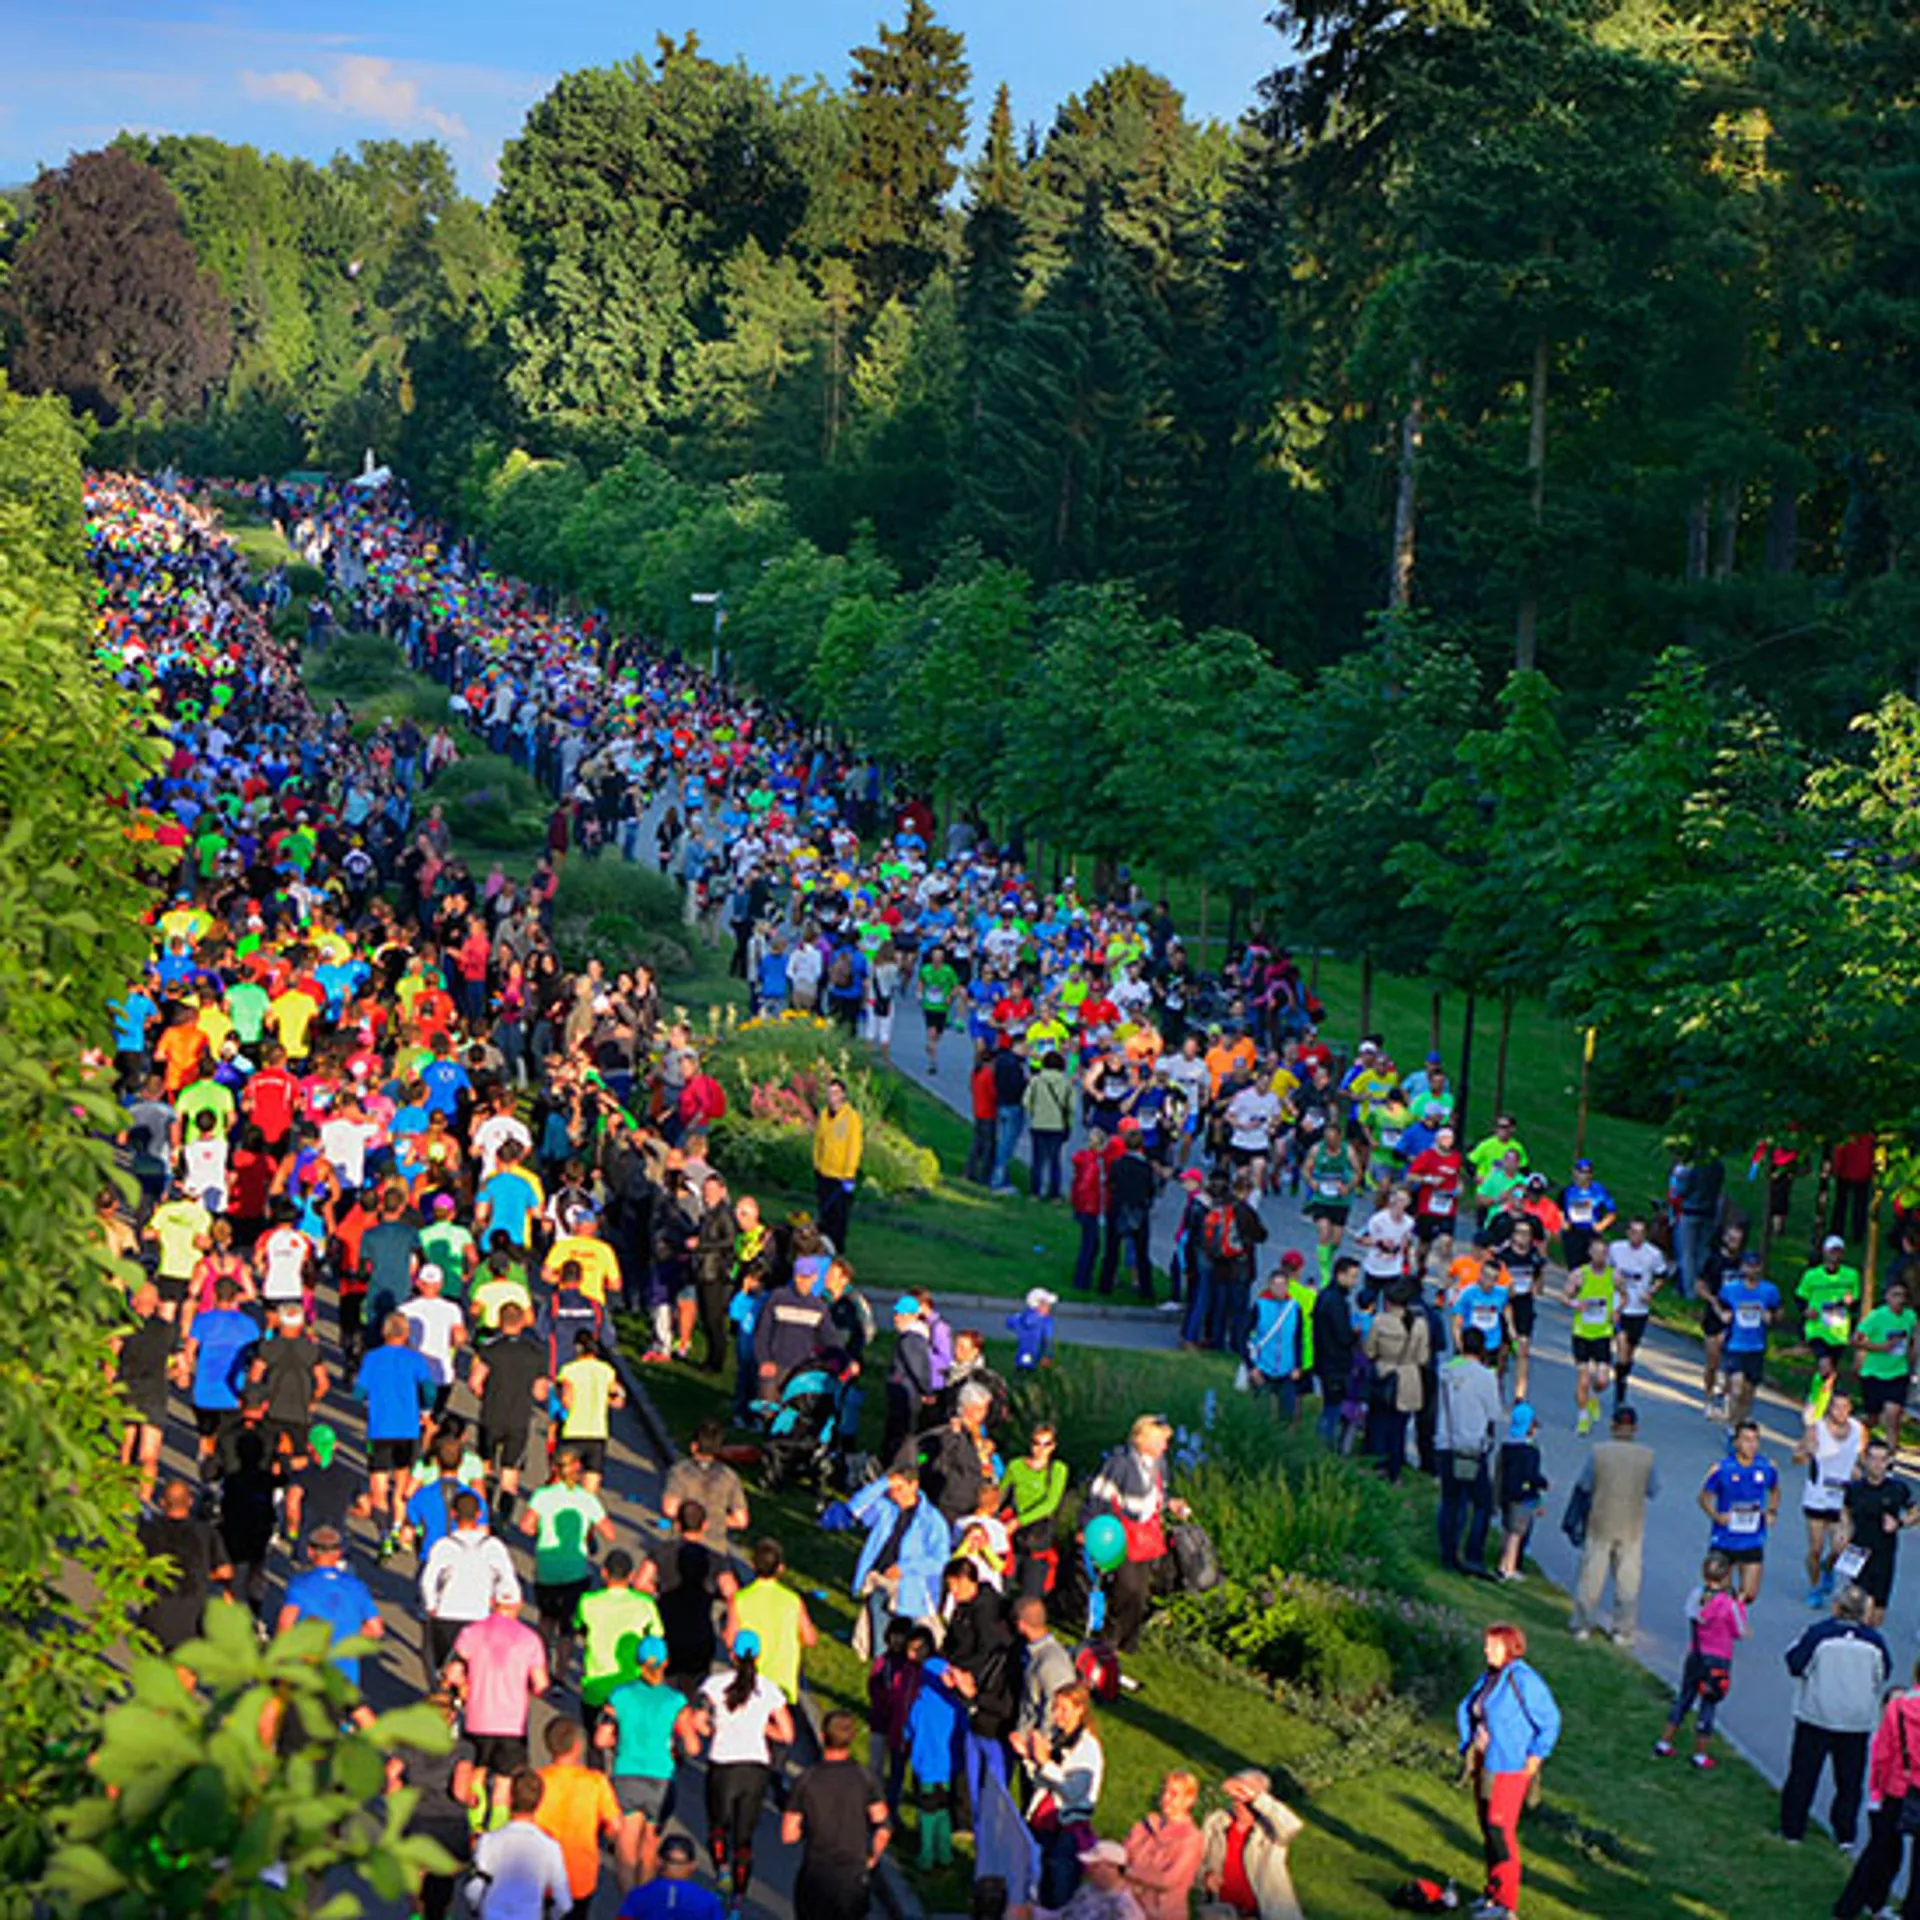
1313,974
1699,529
1463,1084
1526,639
1729,550
1500,1058
1366,992
1201,958
1433,1022
1783,529
1406,516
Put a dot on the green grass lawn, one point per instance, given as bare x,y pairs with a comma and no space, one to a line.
1616,1836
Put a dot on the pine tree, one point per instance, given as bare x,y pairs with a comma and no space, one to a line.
992,279
910,120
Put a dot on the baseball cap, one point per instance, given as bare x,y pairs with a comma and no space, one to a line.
652,1650
679,1849
1583,1166
1433,1060
1833,1244
1625,1417
1292,1260
906,1304
1039,1298
746,1643
1104,1853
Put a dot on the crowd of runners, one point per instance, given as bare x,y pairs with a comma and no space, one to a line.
400,1167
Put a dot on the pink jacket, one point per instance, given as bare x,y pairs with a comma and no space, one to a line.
1163,1860
1894,1773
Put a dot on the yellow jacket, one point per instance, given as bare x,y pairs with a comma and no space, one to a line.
836,1144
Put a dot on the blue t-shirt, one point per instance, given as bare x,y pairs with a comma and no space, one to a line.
340,1599
1742,1494
643,1718
130,1018
430,1510
1747,1304
663,1899
395,1382
511,1199
1483,1307
445,1081
224,1338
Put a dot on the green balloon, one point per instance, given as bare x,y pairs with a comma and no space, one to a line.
1106,1542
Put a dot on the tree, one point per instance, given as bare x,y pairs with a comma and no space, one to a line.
194,1795
909,124
72,892
992,278
112,308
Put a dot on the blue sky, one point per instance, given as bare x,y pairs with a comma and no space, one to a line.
77,71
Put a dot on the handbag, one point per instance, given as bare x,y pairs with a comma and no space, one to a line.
1573,1522
1146,1539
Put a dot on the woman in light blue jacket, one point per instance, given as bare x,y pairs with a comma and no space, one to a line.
1508,1725
906,1552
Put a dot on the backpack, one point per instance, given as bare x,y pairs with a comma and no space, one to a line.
840,974
1220,1234
1098,1669
1197,1563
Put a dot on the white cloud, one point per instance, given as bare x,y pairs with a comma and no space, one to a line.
358,86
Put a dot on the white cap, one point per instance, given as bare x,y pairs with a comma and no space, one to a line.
1833,1244
430,1276
1038,1298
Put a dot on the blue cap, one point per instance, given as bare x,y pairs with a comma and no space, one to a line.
906,1304
1583,1166
1520,1421
1433,1060
653,1651
746,1642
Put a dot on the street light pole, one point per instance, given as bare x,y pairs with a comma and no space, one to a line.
717,600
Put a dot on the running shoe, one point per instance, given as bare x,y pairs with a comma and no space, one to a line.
1663,1749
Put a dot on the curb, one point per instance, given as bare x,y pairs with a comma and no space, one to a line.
1079,1306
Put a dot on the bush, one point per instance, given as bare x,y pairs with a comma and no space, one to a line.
620,912
490,803
1347,1643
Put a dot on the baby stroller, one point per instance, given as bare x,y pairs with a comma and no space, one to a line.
803,1446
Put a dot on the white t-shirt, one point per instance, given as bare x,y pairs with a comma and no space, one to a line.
740,1734
1251,1114
1835,1455
345,1143
1635,1270
205,1162
524,1868
1385,1255
492,1134
284,1254
431,1321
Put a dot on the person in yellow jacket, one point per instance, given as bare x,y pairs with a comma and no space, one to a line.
837,1142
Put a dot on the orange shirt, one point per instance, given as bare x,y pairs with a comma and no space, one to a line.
576,1809
1222,1060
179,1054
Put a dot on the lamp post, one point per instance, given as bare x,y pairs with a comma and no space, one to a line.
717,600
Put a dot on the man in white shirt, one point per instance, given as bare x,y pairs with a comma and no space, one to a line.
466,1576
435,1326
493,1133
518,1869
1638,1268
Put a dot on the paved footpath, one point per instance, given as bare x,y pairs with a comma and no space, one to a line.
1757,1716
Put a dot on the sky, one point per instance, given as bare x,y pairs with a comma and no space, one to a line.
76,72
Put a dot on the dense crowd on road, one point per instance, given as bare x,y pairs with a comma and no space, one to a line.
406,1179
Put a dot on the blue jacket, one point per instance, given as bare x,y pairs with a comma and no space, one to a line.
933,1728
1273,1348
1523,1721
925,1548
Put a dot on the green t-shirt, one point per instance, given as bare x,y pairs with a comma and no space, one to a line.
1491,1151
938,985
1828,1302
1884,1324
247,1008
444,1245
1593,1304
567,1517
614,1620
204,1096
644,1716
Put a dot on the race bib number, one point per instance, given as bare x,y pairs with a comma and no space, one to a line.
1749,1319
1833,1316
1327,1189
1521,1284
1581,1213
1744,1520
1848,1566
1595,1313
1486,1318
1441,1203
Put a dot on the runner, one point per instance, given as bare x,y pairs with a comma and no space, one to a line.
1830,1451
1828,1292
1750,1303
1885,1344
1741,1497
1639,1267
1590,1292
1877,1510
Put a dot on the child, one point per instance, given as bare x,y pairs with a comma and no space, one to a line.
1032,1329
1521,1484
892,1682
1716,1618
934,1723
743,1315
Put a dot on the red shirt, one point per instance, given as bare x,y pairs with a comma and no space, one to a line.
1436,1179
702,1100
1236,1890
270,1097
1088,1192
986,1102
1096,1010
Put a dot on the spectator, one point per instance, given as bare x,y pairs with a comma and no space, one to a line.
1842,1667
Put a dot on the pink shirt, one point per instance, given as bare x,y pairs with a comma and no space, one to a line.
502,1656
1719,1620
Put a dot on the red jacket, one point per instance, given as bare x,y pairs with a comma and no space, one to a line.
1088,1192
986,1102
1893,1774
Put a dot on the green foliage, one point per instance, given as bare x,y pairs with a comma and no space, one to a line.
192,1796
71,896
618,912
490,803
